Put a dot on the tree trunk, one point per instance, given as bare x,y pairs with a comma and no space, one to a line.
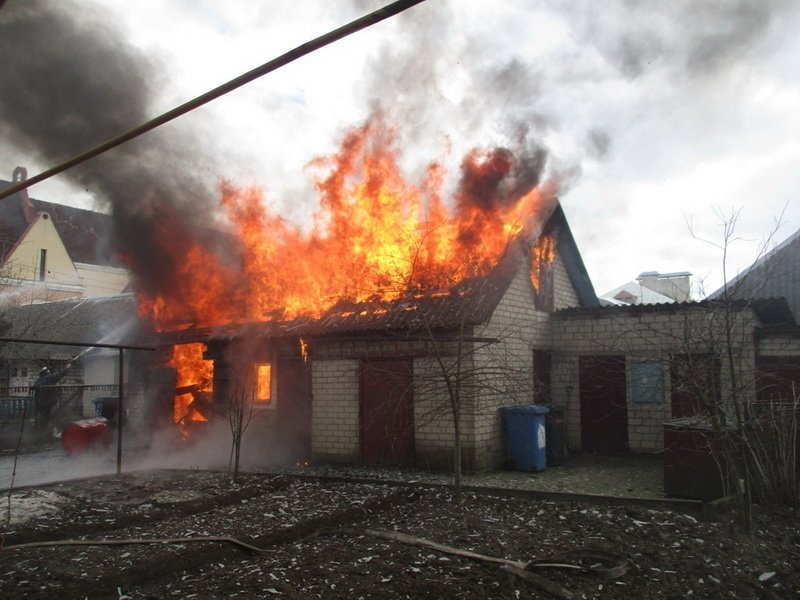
457,449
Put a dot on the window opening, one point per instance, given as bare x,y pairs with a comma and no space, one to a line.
264,383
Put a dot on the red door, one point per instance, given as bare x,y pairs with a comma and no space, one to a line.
604,409
778,378
387,414
294,408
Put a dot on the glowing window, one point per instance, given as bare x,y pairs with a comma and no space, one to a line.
264,383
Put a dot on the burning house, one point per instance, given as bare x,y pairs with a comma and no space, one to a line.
400,322
360,338
371,382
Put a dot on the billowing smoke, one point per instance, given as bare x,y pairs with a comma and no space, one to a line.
689,39
499,177
440,81
68,84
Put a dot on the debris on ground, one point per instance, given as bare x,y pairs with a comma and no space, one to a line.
317,538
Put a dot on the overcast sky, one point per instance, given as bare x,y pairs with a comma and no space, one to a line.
654,114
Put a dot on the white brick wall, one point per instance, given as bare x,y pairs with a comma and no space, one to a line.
335,411
644,335
521,329
565,294
779,346
504,376
433,417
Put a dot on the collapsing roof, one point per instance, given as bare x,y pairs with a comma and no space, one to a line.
467,304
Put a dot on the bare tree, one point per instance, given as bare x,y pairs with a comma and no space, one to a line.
759,435
713,361
240,400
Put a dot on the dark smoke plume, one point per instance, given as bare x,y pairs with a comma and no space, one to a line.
68,83
498,177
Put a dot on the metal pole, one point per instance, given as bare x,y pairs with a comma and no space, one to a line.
119,410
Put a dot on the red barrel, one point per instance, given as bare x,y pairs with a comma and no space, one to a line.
83,435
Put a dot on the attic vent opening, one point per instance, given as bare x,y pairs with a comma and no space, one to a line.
42,264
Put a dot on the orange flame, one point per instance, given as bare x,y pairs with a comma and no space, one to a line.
194,379
542,256
374,236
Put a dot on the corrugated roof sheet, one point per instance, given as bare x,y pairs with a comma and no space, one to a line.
107,320
771,312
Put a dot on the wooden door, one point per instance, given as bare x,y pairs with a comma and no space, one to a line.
387,413
294,408
604,408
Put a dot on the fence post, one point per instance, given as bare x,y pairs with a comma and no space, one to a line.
119,411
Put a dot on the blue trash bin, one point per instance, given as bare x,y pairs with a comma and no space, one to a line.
525,435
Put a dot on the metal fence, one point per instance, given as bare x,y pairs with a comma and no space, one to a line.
73,401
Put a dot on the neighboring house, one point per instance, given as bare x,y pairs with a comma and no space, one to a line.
52,252
651,287
774,275
94,372
623,371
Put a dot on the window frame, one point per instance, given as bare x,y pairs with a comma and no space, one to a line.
640,389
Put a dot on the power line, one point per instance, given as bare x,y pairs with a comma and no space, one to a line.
362,23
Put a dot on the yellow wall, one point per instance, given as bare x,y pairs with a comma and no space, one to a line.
23,263
63,278
102,281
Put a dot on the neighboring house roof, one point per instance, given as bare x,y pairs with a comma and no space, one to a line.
774,275
85,233
634,292
106,320
772,313
470,303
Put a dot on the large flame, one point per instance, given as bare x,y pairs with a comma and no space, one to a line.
374,236
194,383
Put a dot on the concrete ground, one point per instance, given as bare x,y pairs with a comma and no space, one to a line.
633,476
622,476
